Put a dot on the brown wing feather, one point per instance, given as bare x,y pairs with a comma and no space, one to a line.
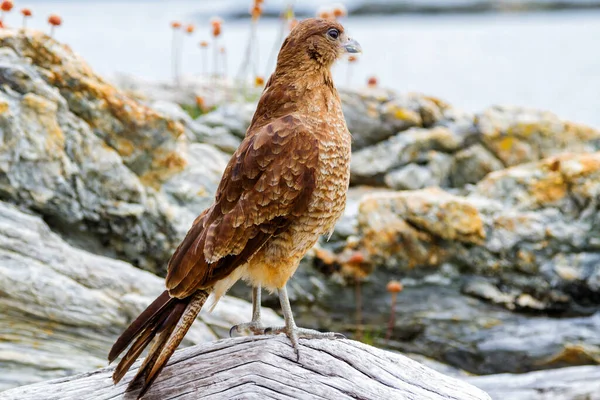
267,183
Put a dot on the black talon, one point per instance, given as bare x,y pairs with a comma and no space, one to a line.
231,331
339,336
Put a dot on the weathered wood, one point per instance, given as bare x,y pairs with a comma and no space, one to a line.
265,367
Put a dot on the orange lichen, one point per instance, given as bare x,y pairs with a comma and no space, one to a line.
573,354
550,189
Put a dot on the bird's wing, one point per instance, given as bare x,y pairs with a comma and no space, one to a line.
266,185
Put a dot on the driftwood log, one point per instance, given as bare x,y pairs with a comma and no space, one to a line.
266,368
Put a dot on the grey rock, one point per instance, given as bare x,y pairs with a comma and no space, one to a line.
374,115
497,138
415,145
434,319
59,155
195,131
62,308
573,383
234,118
516,135
471,165
434,172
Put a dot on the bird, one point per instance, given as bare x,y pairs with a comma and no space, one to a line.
283,188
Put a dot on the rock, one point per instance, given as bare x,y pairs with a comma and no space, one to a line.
434,318
416,176
59,128
517,135
374,115
455,152
559,384
62,308
369,166
471,165
263,367
519,225
235,118
146,140
195,131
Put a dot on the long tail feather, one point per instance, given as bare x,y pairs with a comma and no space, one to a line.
141,322
166,320
158,359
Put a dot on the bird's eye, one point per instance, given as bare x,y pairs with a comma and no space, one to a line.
333,33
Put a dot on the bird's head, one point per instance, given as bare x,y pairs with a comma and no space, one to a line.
315,44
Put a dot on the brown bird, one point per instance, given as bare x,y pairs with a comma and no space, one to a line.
284,187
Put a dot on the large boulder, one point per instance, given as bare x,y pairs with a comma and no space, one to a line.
534,228
109,173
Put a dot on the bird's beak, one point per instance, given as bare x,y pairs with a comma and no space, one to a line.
352,46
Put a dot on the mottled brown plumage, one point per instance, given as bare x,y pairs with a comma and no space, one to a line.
284,187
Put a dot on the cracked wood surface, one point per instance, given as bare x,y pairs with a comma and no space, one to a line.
265,367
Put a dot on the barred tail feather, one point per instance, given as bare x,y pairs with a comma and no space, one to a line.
166,320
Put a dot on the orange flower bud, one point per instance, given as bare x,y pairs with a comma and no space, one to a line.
6,5
372,82
26,12
394,287
216,23
259,81
339,10
204,44
55,20
190,29
175,24
256,11
324,13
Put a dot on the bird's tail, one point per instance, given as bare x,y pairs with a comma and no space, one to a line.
167,319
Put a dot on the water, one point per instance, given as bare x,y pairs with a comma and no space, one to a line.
543,60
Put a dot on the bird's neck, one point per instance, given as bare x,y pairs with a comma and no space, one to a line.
296,91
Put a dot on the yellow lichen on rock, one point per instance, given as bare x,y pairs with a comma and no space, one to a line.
142,136
411,225
4,107
44,111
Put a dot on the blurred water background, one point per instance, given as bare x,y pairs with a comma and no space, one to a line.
469,53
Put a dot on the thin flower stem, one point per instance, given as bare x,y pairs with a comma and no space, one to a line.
390,328
358,300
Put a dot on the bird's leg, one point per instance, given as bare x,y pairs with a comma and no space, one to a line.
254,326
290,328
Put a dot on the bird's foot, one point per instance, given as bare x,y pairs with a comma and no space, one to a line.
294,333
252,327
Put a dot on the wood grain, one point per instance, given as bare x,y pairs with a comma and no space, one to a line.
265,367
